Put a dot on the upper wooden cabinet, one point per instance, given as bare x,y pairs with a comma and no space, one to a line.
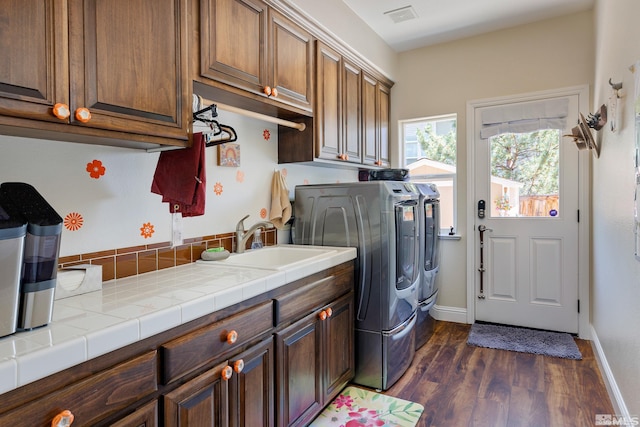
337,113
250,46
134,61
126,62
351,116
375,115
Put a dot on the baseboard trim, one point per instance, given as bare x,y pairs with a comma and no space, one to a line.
449,314
609,380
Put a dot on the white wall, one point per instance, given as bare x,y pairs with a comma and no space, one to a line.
116,205
441,79
616,273
339,20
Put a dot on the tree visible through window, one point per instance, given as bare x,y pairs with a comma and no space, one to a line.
524,172
430,151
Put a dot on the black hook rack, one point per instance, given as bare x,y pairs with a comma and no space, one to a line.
207,115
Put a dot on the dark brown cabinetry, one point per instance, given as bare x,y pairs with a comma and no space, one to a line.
337,113
125,62
93,398
275,360
145,416
203,401
251,46
315,361
375,115
351,116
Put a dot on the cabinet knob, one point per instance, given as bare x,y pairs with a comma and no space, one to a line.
267,90
232,337
274,92
238,366
61,111
226,373
63,419
323,315
329,312
83,115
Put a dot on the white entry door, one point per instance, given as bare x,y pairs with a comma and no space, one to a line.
526,264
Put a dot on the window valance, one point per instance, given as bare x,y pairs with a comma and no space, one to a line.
524,117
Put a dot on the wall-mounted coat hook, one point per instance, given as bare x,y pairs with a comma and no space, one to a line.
615,86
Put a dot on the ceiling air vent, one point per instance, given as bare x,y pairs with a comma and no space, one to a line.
403,14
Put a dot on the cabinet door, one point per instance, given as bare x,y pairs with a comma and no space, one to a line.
384,102
290,61
328,112
145,416
129,65
203,401
299,394
338,349
251,391
369,119
351,100
34,73
233,40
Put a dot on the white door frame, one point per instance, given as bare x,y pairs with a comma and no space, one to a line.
584,184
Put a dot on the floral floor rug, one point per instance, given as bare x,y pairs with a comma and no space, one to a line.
357,407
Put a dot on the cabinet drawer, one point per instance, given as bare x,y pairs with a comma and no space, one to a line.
93,398
307,298
193,350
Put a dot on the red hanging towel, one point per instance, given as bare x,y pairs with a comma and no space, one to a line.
181,179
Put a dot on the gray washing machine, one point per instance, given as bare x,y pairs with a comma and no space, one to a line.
380,219
429,228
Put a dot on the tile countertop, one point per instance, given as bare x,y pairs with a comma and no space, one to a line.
134,308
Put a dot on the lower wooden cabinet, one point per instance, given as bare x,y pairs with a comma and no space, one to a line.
203,401
314,361
145,416
252,390
273,362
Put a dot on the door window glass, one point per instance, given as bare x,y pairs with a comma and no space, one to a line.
525,174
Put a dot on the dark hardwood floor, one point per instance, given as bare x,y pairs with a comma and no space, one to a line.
461,385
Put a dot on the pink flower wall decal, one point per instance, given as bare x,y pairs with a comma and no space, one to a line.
96,169
217,188
240,176
147,230
73,221
263,213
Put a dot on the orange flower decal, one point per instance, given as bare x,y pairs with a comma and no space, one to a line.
263,213
146,230
240,176
266,134
73,221
217,188
95,169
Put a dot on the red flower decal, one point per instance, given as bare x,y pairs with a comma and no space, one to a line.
266,134
263,213
146,230
95,169
217,188
343,400
73,221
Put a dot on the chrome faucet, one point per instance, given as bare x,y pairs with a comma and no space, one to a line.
242,237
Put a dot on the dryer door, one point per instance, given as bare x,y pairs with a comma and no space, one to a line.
407,244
